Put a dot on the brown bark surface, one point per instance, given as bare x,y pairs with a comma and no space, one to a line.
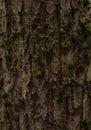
45,65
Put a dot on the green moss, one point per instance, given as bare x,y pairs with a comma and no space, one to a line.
76,38
15,32
67,81
86,27
66,46
37,72
87,123
6,102
37,116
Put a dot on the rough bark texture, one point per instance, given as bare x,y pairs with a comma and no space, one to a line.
45,65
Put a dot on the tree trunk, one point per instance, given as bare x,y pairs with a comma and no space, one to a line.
45,65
